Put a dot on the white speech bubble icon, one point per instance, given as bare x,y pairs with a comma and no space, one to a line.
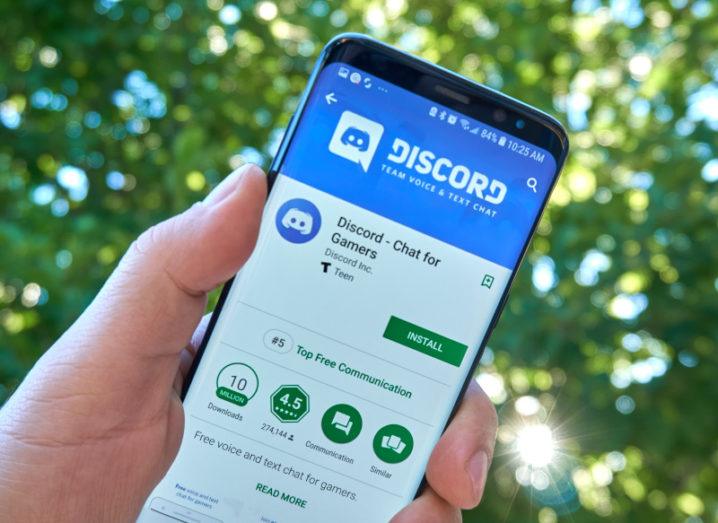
342,422
356,138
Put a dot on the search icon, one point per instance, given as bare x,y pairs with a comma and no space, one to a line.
532,183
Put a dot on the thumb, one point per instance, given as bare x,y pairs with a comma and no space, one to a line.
147,310
207,244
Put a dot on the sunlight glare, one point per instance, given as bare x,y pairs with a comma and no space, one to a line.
535,445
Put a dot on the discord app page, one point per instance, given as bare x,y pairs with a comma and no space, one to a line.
386,244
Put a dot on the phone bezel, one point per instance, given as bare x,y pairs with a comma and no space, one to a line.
421,77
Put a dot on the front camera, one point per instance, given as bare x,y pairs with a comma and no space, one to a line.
499,115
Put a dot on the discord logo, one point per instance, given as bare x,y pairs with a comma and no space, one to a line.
356,139
298,220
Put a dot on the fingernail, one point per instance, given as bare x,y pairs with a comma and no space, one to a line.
227,186
247,168
478,468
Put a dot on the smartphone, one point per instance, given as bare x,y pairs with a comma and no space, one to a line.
403,197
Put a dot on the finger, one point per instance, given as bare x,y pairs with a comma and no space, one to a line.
198,335
459,465
190,351
428,508
145,314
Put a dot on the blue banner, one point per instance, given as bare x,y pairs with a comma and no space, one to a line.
410,160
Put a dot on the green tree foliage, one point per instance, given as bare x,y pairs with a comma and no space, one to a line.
117,114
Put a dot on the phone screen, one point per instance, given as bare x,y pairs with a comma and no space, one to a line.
389,237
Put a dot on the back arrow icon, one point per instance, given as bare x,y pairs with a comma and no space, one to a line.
330,98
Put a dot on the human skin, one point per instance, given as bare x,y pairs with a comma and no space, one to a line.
98,420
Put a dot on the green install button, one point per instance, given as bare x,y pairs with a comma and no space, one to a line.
425,341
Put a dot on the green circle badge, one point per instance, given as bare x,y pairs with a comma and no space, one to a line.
237,383
393,444
341,423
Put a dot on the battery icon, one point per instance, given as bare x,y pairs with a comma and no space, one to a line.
502,141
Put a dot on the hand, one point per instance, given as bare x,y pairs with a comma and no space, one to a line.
98,421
